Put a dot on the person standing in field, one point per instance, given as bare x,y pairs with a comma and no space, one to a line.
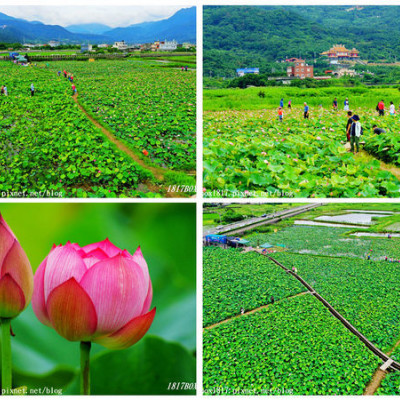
346,105
392,109
306,111
5,91
73,89
355,132
381,108
334,104
32,90
280,114
289,104
281,103
348,125
2,90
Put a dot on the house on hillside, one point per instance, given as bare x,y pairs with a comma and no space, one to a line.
86,48
122,46
300,69
346,72
170,45
53,43
339,53
245,71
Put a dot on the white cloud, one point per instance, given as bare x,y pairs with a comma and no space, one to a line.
116,16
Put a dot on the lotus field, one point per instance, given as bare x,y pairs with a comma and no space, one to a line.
250,151
293,345
53,146
327,241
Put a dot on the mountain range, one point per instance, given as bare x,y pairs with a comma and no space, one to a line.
181,26
258,36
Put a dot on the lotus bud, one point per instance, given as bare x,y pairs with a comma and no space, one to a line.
16,277
97,293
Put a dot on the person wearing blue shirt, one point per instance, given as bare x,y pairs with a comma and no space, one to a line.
281,103
306,113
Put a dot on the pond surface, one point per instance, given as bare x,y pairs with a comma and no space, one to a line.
374,234
371,212
314,223
352,218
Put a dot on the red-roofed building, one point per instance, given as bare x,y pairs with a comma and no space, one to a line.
300,69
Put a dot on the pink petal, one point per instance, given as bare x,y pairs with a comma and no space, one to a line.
16,264
72,312
7,239
118,291
138,257
130,334
110,249
74,245
63,263
93,257
38,301
3,223
149,298
12,299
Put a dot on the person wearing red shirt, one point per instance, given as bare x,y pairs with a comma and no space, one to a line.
280,113
381,108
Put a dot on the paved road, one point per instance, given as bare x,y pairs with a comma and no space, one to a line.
222,229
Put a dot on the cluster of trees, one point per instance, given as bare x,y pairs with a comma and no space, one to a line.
13,46
231,216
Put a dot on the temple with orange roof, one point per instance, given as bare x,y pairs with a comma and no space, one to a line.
339,53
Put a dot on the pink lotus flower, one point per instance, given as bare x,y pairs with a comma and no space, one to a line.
16,277
97,293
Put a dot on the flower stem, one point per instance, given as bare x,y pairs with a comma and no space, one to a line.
6,362
85,367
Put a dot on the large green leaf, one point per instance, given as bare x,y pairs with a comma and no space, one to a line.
147,368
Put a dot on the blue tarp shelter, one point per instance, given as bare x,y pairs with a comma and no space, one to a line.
216,239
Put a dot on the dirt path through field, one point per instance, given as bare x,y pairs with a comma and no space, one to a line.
157,172
365,157
250,312
378,377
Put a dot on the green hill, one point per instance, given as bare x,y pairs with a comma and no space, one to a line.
258,36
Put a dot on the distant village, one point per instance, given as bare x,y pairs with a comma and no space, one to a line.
166,45
338,57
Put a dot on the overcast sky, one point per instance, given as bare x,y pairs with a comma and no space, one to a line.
115,16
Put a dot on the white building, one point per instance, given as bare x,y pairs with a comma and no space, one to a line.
86,48
103,46
168,45
53,43
120,45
